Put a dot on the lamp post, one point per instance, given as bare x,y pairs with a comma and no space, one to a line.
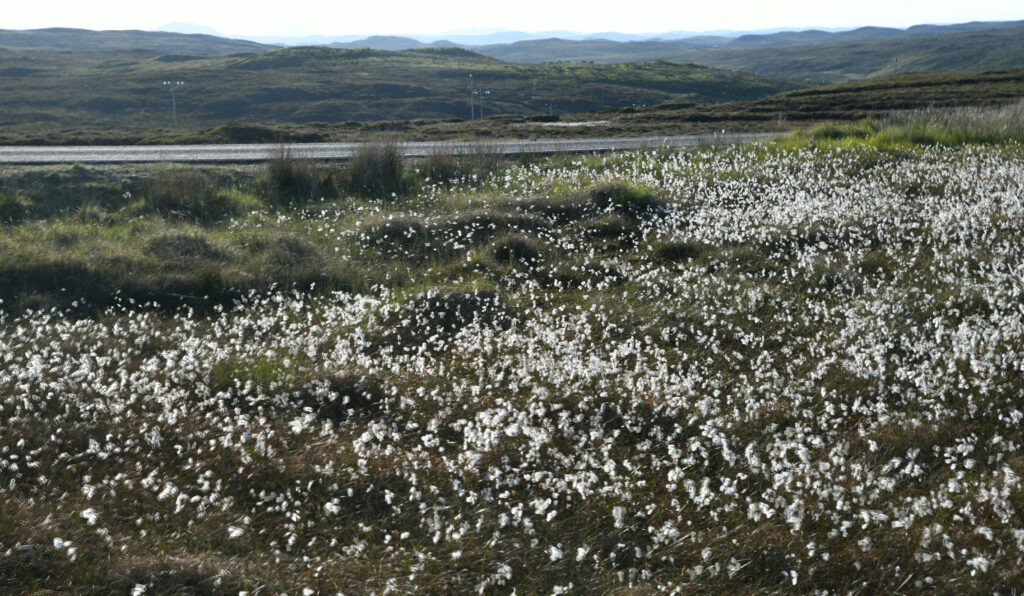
481,93
173,86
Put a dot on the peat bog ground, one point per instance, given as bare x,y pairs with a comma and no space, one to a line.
788,367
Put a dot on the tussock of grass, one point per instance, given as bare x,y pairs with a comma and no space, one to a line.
517,249
396,235
624,198
190,194
14,207
433,317
678,251
450,164
480,224
376,170
947,127
441,166
291,179
608,226
183,246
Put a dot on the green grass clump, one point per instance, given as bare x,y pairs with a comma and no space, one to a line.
183,246
626,198
834,131
946,127
291,179
517,249
14,207
376,170
676,251
189,193
953,127
440,166
447,164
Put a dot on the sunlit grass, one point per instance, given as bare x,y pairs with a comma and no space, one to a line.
943,127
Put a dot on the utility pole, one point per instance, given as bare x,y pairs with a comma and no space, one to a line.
472,92
173,85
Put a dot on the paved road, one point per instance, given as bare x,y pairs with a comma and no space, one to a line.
260,152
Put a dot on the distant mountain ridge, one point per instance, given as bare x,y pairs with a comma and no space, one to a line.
814,36
813,56
769,38
188,28
391,42
818,56
62,39
192,37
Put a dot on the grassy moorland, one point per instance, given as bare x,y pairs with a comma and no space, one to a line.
315,84
759,369
877,98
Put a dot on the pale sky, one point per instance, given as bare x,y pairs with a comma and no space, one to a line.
346,17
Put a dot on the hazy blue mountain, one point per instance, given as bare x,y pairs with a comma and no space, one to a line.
303,40
191,28
790,38
380,42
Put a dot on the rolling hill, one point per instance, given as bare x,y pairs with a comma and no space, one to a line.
85,40
974,51
317,84
815,56
871,98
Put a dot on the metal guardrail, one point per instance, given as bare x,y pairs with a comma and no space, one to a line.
342,151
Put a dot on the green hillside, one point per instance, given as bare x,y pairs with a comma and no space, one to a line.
977,51
788,56
316,84
83,40
870,98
